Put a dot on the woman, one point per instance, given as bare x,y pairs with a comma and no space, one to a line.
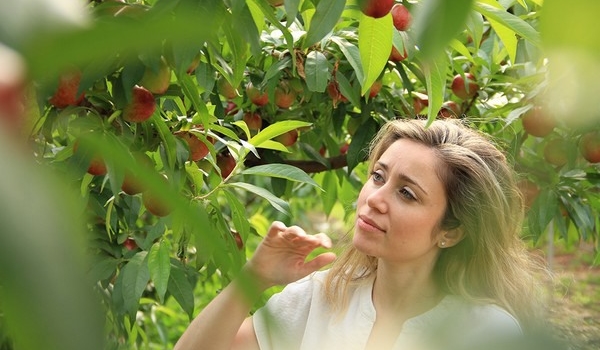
435,258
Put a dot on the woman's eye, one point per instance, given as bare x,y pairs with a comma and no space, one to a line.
376,176
407,194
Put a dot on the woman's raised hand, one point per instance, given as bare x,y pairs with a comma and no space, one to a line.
281,256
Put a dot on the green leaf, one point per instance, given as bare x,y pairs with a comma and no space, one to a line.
435,77
103,268
135,279
181,289
461,49
238,48
375,44
357,152
352,54
257,15
277,203
542,211
274,145
291,10
316,69
274,130
160,267
436,22
238,213
245,26
119,35
323,21
514,23
582,217
507,35
283,171
190,89
267,11
167,137
475,26
277,67
329,197
347,89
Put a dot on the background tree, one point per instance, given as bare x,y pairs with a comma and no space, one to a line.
187,126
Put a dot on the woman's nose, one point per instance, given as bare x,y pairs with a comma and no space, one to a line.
377,199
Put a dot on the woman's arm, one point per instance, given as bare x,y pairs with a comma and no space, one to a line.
278,260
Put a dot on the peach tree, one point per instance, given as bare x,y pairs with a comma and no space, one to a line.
187,126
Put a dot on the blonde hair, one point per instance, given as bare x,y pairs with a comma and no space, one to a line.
491,264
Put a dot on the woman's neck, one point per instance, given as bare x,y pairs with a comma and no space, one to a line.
405,290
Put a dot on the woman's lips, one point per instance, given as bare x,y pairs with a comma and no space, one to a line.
367,224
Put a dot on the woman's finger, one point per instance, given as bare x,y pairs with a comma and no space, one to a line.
275,228
324,240
318,262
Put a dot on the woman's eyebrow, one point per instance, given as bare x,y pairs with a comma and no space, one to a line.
402,176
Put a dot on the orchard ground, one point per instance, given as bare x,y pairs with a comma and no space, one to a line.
575,305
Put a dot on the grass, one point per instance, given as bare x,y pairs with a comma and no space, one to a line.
574,309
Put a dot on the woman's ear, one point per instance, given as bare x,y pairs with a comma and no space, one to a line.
451,237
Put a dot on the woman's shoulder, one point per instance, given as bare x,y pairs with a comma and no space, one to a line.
479,323
465,324
484,315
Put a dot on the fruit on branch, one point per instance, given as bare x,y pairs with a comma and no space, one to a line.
141,107
376,8
323,151
130,244
96,165
555,152
226,89
450,109
256,96
157,81
589,146
538,123
275,3
226,163
253,120
131,182
396,56
230,108
334,93
401,17
66,91
420,101
239,242
288,139
284,95
198,149
194,64
154,203
344,148
464,87
529,191
375,88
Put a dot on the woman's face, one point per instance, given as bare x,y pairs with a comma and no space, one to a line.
400,207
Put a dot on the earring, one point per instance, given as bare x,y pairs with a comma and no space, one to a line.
442,244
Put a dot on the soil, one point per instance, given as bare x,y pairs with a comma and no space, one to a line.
574,307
